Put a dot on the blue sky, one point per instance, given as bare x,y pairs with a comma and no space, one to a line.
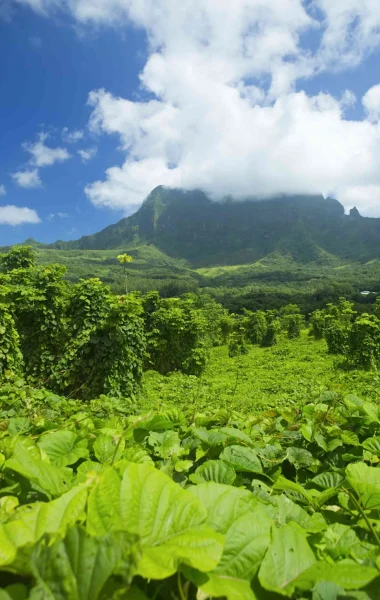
48,73
102,100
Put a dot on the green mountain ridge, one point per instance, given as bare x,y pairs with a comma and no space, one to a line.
192,227
249,253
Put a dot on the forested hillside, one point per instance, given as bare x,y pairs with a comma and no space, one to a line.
247,254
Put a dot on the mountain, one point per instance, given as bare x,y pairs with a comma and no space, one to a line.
192,227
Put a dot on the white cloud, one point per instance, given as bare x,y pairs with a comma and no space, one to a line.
44,156
87,154
3,191
14,215
27,178
59,215
371,103
223,113
72,137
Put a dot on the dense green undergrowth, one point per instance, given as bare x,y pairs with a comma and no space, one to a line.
99,501
290,373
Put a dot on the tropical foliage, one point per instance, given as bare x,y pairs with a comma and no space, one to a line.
97,502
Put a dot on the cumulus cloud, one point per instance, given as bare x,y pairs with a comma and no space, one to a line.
44,156
3,191
72,137
87,154
224,113
371,103
27,178
14,215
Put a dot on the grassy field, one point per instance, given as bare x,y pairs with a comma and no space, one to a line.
291,373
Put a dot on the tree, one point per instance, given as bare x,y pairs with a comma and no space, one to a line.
19,257
124,259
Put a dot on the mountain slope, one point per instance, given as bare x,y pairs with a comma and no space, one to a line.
190,226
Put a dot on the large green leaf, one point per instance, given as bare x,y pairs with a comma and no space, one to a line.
348,574
168,519
63,447
299,457
236,434
103,512
339,541
79,566
241,518
283,510
242,459
373,445
366,483
109,448
214,470
41,474
288,555
31,522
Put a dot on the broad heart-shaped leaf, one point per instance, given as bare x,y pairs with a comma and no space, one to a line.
42,475
136,454
108,448
366,483
168,519
214,470
328,480
288,555
339,541
299,457
373,445
103,512
293,489
31,522
350,438
63,447
347,574
238,515
242,459
78,566
165,444
236,434
283,510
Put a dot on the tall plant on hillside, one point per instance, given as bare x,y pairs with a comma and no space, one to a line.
124,260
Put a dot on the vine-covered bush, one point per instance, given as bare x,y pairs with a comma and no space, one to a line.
178,335
256,326
272,330
37,299
10,354
106,348
364,342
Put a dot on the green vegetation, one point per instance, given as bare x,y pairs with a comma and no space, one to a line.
245,466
